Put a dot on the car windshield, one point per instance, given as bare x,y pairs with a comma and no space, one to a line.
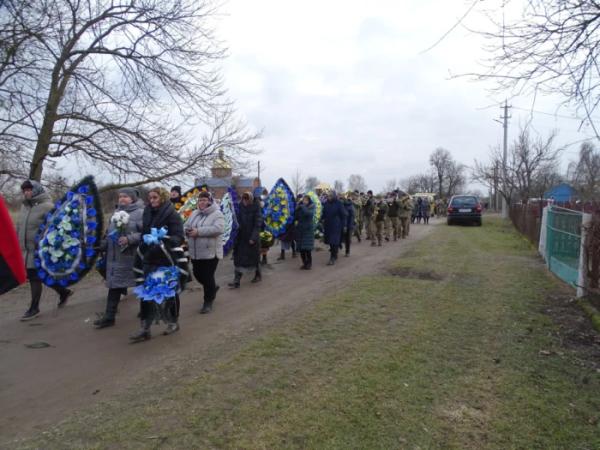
464,201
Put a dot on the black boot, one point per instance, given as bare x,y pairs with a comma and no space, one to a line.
112,304
281,256
104,322
36,295
206,307
303,257
143,334
257,277
236,281
64,296
263,260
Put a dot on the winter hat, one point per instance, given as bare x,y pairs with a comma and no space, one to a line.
35,186
177,189
26,185
130,192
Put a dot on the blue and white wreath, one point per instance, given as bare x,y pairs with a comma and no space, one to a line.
66,242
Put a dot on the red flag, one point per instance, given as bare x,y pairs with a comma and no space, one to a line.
12,267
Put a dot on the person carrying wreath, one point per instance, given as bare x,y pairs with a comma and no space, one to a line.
204,231
160,264
36,204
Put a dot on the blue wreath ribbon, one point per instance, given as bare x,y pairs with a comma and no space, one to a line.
155,236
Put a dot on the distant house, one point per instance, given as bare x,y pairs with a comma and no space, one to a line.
561,193
222,178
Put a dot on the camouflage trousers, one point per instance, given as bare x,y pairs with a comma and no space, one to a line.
371,229
392,229
404,227
380,226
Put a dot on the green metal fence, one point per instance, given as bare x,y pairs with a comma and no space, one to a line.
563,243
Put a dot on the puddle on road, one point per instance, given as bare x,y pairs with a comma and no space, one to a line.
407,272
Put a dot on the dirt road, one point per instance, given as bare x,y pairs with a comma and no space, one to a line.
82,365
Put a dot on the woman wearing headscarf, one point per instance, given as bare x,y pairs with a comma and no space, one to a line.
334,217
305,230
159,251
36,204
246,250
123,236
175,195
204,231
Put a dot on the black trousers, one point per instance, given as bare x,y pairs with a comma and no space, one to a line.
348,240
333,250
306,256
112,301
204,272
36,289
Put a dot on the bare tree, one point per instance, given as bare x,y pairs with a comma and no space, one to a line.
551,47
390,185
440,160
338,185
527,160
120,85
311,182
297,182
419,183
585,172
357,182
455,179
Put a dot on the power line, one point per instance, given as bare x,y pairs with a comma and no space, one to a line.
458,22
579,119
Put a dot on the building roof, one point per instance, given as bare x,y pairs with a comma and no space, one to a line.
561,193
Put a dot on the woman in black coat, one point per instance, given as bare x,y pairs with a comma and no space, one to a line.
246,249
305,230
334,218
350,224
166,252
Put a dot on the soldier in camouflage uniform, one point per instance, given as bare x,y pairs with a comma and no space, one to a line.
381,210
404,214
392,229
369,216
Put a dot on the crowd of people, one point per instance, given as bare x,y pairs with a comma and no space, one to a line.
156,243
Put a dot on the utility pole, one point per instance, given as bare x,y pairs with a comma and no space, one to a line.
505,118
259,173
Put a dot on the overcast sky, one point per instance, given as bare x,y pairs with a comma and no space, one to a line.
344,87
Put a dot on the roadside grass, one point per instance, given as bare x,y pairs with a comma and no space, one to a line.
450,349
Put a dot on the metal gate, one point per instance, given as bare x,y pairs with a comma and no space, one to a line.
563,243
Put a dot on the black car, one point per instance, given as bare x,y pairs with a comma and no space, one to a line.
464,208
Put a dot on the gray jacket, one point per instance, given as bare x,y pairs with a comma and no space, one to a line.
31,217
210,224
119,262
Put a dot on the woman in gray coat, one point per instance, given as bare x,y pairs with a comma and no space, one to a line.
120,246
204,231
36,204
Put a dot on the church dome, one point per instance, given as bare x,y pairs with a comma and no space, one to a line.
221,162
